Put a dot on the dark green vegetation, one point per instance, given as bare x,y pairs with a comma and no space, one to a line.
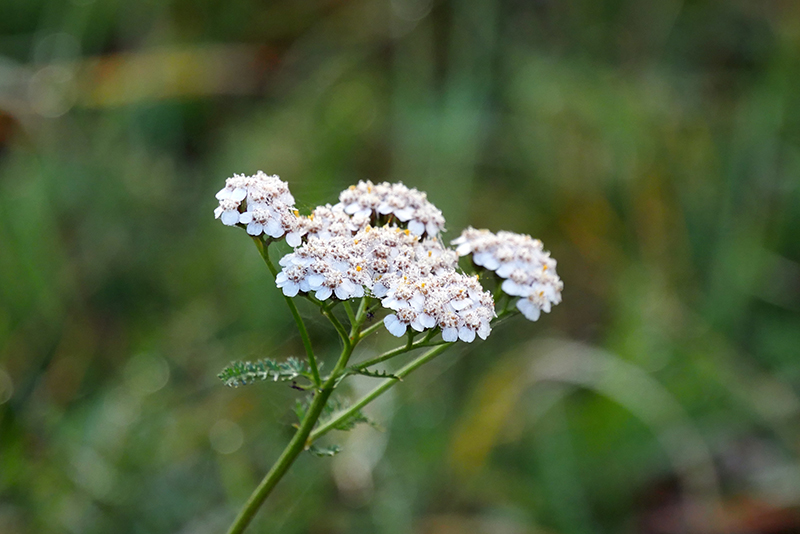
653,146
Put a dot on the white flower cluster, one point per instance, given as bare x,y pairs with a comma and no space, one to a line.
268,202
529,271
407,205
326,222
415,279
338,253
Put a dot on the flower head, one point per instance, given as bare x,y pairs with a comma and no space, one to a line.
414,279
261,202
528,270
406,205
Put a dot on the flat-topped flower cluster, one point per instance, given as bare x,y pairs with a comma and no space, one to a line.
528,270
393,200
382,241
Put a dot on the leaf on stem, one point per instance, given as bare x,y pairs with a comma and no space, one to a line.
332,408
323,452
243,373
372,374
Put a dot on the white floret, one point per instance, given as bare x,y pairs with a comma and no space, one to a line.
394,325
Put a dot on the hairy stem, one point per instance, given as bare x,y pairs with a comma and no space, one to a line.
263,249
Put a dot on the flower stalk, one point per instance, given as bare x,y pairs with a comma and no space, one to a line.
263,249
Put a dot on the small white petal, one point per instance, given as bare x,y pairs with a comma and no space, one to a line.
491,263
341,292
223,194
505,270
358,292
432,229
340,266
512,288
459,305
230,217
427,320
239,194
484,330
281,279
395,326
528,309
404,214
294,239
315,281
255,228
273,228
466,334
379,290
290,289
449,334
323,293
246,217
352,208
217,212
416,227
394,304
464,249
417,302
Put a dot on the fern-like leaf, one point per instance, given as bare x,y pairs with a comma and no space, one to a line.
336,405
243,373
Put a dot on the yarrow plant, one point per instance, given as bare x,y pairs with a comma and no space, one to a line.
379,247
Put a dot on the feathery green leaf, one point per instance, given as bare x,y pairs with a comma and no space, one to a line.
243,373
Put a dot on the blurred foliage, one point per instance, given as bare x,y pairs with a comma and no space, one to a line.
653,146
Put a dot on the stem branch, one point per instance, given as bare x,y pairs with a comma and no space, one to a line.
371,328
378,391
263,249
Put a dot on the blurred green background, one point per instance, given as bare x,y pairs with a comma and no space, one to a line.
653,146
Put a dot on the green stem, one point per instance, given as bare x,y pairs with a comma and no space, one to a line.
299,441
263,249
432,332
346,339
378,391
361,314
498,290
286,459
397,351
371,328
309,297
350,315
